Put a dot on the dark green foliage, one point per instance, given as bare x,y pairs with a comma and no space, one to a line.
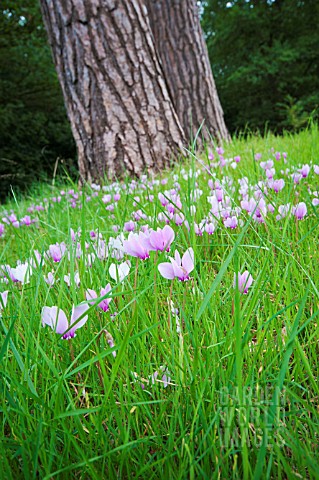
264,55
34,129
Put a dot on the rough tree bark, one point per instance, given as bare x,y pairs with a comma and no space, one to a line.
184,58
126,111
117,101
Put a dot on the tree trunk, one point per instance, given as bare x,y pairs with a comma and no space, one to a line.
114,89
183,55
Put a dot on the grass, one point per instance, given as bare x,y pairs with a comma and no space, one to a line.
242,393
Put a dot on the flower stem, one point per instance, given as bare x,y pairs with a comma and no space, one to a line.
155,288
170,305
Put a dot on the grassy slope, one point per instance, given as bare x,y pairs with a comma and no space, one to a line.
243,395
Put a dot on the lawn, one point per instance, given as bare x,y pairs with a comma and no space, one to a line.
121,358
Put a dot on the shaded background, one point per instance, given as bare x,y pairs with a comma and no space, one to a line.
264,56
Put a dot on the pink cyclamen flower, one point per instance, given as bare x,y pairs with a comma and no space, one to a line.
210,228
277,185
270,208
270,172
75,235
178,218
305,170
300,210
26,221
231,222
244,281
21,273
129,226
219,194
119,272
57,251
199,229
110,341
76,279
161,239
267,165
91,295
179,267
220,150
316,169
106,198
3,299
49,279
137,245
296,177
283,211
57,320
165,377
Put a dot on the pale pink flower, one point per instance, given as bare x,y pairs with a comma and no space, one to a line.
91,296
106,198
231,222
115,247
270,173
277,185
199,229
137,245
21,273
283,211
210,228
49,279
220,150
305,170
300,210
129,226
161,239
178,218
57,251
57,320
243,280
3,299
178,267
76,279
296,177
267,165
121,271
110,341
